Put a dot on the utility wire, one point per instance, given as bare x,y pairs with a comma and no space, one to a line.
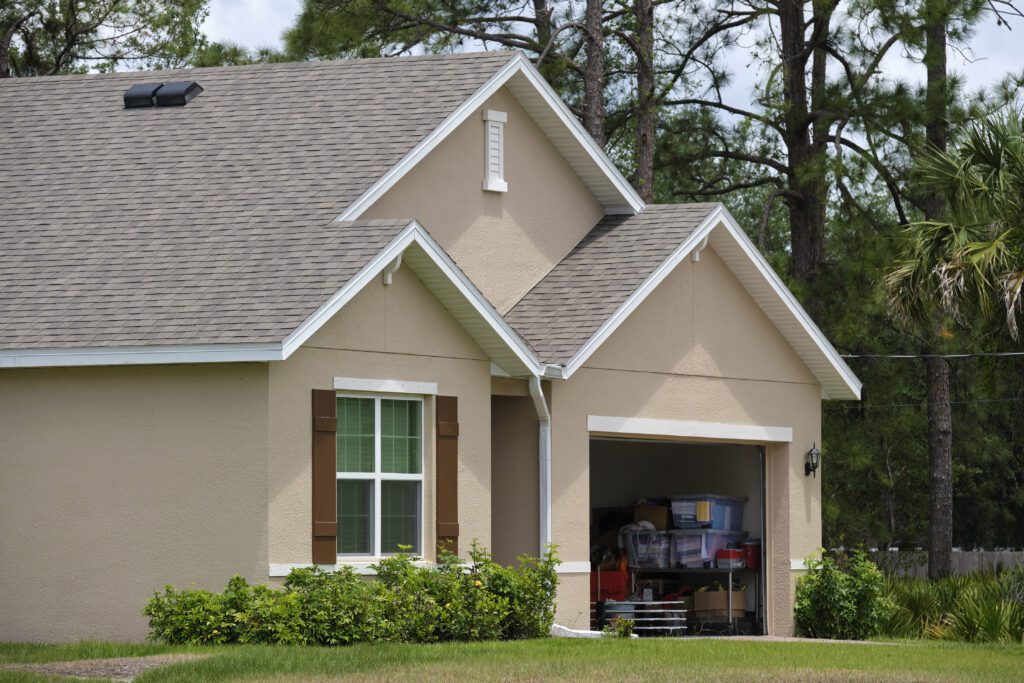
855,406
988,354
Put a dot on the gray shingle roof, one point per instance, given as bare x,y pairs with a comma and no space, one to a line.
581,292
208,223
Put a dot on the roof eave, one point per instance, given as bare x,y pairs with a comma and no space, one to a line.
627,199
836,378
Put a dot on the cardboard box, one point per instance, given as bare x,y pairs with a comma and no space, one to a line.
716,604
658,515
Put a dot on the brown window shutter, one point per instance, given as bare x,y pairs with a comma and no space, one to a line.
447,476
325,443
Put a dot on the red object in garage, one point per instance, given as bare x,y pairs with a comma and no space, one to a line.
753,553
614,586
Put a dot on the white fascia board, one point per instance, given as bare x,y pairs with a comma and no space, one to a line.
594,150
140,355
476,299
853,384
686,429
518,64
719,216
414,234
326,311
385,386
638,296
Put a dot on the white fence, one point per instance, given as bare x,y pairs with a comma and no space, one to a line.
915,563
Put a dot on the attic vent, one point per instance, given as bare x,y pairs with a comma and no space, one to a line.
176,94
494,146
140,95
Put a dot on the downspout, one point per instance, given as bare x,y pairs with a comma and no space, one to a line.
544,453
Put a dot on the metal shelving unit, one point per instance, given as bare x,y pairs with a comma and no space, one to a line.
730,620
650,617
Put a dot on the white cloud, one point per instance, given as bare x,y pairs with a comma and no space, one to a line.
251,23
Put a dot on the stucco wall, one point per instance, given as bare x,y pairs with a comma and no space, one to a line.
396,332
504,241
697,349
115,481
515,510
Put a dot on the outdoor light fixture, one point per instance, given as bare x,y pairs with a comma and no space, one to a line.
813,460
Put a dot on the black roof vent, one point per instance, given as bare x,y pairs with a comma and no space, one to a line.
141,95
177,94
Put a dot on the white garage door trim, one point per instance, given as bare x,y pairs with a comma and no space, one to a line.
640,426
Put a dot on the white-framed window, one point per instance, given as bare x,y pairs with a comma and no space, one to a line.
379,474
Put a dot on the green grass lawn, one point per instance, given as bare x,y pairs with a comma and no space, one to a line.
563,660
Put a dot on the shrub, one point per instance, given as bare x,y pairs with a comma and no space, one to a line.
840,600
407,603
619,628
982,607
188,617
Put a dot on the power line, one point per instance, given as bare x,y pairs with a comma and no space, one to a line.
900,356
852,406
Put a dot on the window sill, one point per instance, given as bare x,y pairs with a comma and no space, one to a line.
362,566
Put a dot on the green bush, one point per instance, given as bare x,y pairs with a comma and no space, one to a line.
840,598
982,607
452,601
189,617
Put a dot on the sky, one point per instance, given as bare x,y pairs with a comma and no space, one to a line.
994,50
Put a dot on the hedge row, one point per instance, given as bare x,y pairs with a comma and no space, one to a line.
406,603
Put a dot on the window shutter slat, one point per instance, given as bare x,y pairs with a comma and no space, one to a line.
325,444
447,476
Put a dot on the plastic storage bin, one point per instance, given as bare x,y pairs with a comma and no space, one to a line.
698,548
648,549
707,510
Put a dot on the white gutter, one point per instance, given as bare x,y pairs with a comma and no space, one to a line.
544,453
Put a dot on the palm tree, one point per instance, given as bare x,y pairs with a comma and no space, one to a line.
954,265
972,262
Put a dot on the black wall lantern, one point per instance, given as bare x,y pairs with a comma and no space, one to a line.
813,460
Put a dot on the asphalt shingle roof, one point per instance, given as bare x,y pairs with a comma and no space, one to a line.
209,223
584,289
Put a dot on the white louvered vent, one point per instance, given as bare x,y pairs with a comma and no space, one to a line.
494,150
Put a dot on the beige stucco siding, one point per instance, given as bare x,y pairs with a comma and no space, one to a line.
504,241
698,349
115,481
515,510
393,332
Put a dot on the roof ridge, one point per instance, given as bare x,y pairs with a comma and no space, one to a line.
345,62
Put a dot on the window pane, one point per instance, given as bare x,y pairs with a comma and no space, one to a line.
355,434
355,517
400,437
399,516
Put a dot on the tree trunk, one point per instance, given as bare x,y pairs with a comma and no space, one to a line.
806,156
593,74
542,13
940,419
645,99
940,462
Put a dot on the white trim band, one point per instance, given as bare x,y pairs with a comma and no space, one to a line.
278,571
580,567
797,565
718,431
385,386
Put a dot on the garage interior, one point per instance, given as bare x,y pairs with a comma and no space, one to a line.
676,535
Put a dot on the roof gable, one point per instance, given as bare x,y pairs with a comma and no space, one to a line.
551,114
587,296
353,264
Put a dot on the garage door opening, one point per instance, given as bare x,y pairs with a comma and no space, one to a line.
676,535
